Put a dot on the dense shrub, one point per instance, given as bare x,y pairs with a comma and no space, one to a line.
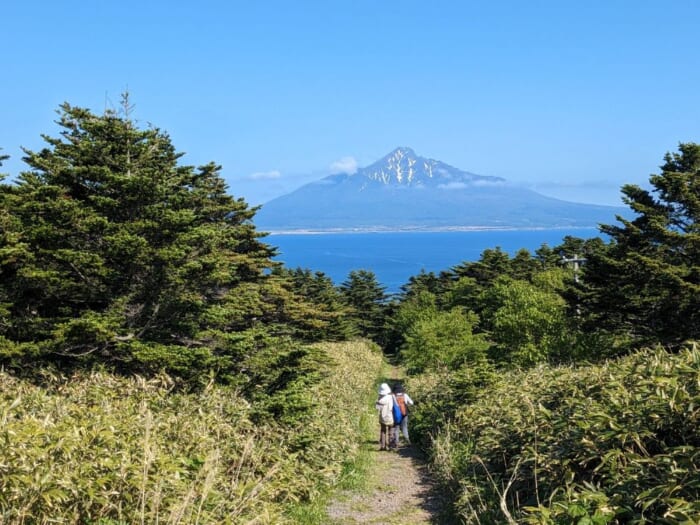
613,443
95,448
443,340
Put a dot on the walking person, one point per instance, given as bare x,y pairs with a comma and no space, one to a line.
402,399
385,406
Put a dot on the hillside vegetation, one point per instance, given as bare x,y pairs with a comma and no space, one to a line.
611,443
96,448
562,387
159,366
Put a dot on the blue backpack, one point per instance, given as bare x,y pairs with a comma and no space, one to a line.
398,416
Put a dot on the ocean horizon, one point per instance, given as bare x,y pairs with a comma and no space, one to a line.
395,256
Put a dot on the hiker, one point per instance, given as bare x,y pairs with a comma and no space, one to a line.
402,399
385,405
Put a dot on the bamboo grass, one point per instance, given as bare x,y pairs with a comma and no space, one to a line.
97,448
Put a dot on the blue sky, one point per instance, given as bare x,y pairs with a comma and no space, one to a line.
574,99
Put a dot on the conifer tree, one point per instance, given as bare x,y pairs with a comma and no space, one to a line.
114,252
367,301
324,302
423,281
646,284
12,252
523,266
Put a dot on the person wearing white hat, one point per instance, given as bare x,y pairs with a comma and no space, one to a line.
385,406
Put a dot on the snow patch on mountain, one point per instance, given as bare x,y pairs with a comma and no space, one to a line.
402,167
407,192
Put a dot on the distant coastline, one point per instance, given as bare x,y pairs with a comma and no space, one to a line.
418,229
396,256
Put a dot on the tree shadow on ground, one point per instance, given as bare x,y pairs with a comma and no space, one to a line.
436,499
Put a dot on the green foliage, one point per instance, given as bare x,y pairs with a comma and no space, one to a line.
366,300
528,323
464,292
112,252
324,303
443,340
613,443
423,282
420,304
97,448
442,395
646,285
492,264
528,307
609,443
523,266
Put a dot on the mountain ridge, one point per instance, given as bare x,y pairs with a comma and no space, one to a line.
403,167
403,191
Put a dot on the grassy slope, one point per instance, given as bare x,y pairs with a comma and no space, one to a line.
612,443
95,448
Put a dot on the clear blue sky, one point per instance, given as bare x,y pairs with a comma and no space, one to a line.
571,98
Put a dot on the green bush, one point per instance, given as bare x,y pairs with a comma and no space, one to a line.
443,340
98,448
613,443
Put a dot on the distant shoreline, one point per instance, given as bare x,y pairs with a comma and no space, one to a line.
437,229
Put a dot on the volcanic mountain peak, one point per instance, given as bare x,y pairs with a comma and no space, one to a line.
403,191
404,168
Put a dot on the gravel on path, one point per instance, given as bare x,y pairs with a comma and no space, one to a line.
400,492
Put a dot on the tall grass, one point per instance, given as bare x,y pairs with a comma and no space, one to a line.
95,448
349,409
611,443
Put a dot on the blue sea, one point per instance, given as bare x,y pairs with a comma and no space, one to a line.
396,256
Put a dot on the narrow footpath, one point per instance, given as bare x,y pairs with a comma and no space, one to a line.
399,490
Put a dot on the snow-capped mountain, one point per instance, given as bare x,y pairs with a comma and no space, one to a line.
403,167
405,191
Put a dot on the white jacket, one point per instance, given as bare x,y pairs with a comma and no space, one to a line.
385,406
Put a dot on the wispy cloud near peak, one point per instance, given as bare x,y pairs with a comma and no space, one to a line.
344,165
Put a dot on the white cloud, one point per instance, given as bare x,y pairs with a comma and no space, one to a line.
482,182
477,183
345,165
265,175
453,186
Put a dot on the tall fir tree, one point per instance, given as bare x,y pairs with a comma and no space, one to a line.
367,300
324,302
114,252
646,284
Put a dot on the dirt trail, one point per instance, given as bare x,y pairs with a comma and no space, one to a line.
399,491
